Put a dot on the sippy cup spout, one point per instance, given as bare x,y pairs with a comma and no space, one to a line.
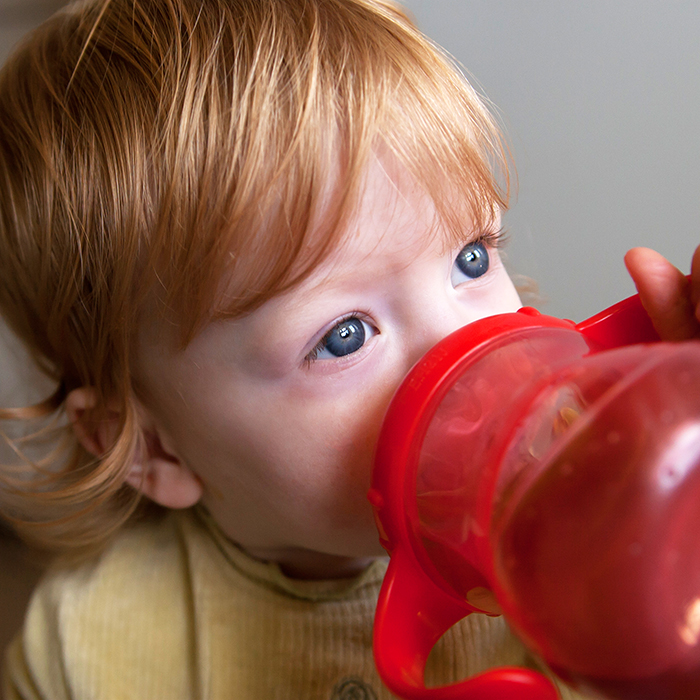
549,472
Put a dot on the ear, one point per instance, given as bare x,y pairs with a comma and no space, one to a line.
156,472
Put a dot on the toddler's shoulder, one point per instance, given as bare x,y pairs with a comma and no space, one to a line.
121,621
142,563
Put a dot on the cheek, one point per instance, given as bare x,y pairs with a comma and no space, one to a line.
241,437
333,438
304,472
350,445
285,444
353,432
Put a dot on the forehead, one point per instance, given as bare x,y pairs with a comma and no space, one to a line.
393,220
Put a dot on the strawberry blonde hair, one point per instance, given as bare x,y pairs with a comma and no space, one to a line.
156,147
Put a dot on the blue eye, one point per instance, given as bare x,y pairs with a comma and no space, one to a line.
346,337
472,262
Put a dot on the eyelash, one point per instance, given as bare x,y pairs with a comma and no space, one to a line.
313,355
494,239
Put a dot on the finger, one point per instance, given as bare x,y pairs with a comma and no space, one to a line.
695,282
665,294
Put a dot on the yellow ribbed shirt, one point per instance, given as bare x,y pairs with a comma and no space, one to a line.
174,611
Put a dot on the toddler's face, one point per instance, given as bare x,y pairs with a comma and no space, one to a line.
278,413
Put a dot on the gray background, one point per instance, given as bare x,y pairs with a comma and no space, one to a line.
600,102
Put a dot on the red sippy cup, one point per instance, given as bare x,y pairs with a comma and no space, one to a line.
550,472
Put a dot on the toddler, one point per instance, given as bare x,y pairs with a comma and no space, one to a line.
228,228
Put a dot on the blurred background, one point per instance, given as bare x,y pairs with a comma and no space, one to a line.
601,103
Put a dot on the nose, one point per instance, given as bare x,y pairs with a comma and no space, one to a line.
428,329
438,315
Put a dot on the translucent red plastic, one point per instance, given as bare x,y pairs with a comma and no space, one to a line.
551,472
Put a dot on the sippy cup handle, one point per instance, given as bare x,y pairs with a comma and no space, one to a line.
413,613
624,323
